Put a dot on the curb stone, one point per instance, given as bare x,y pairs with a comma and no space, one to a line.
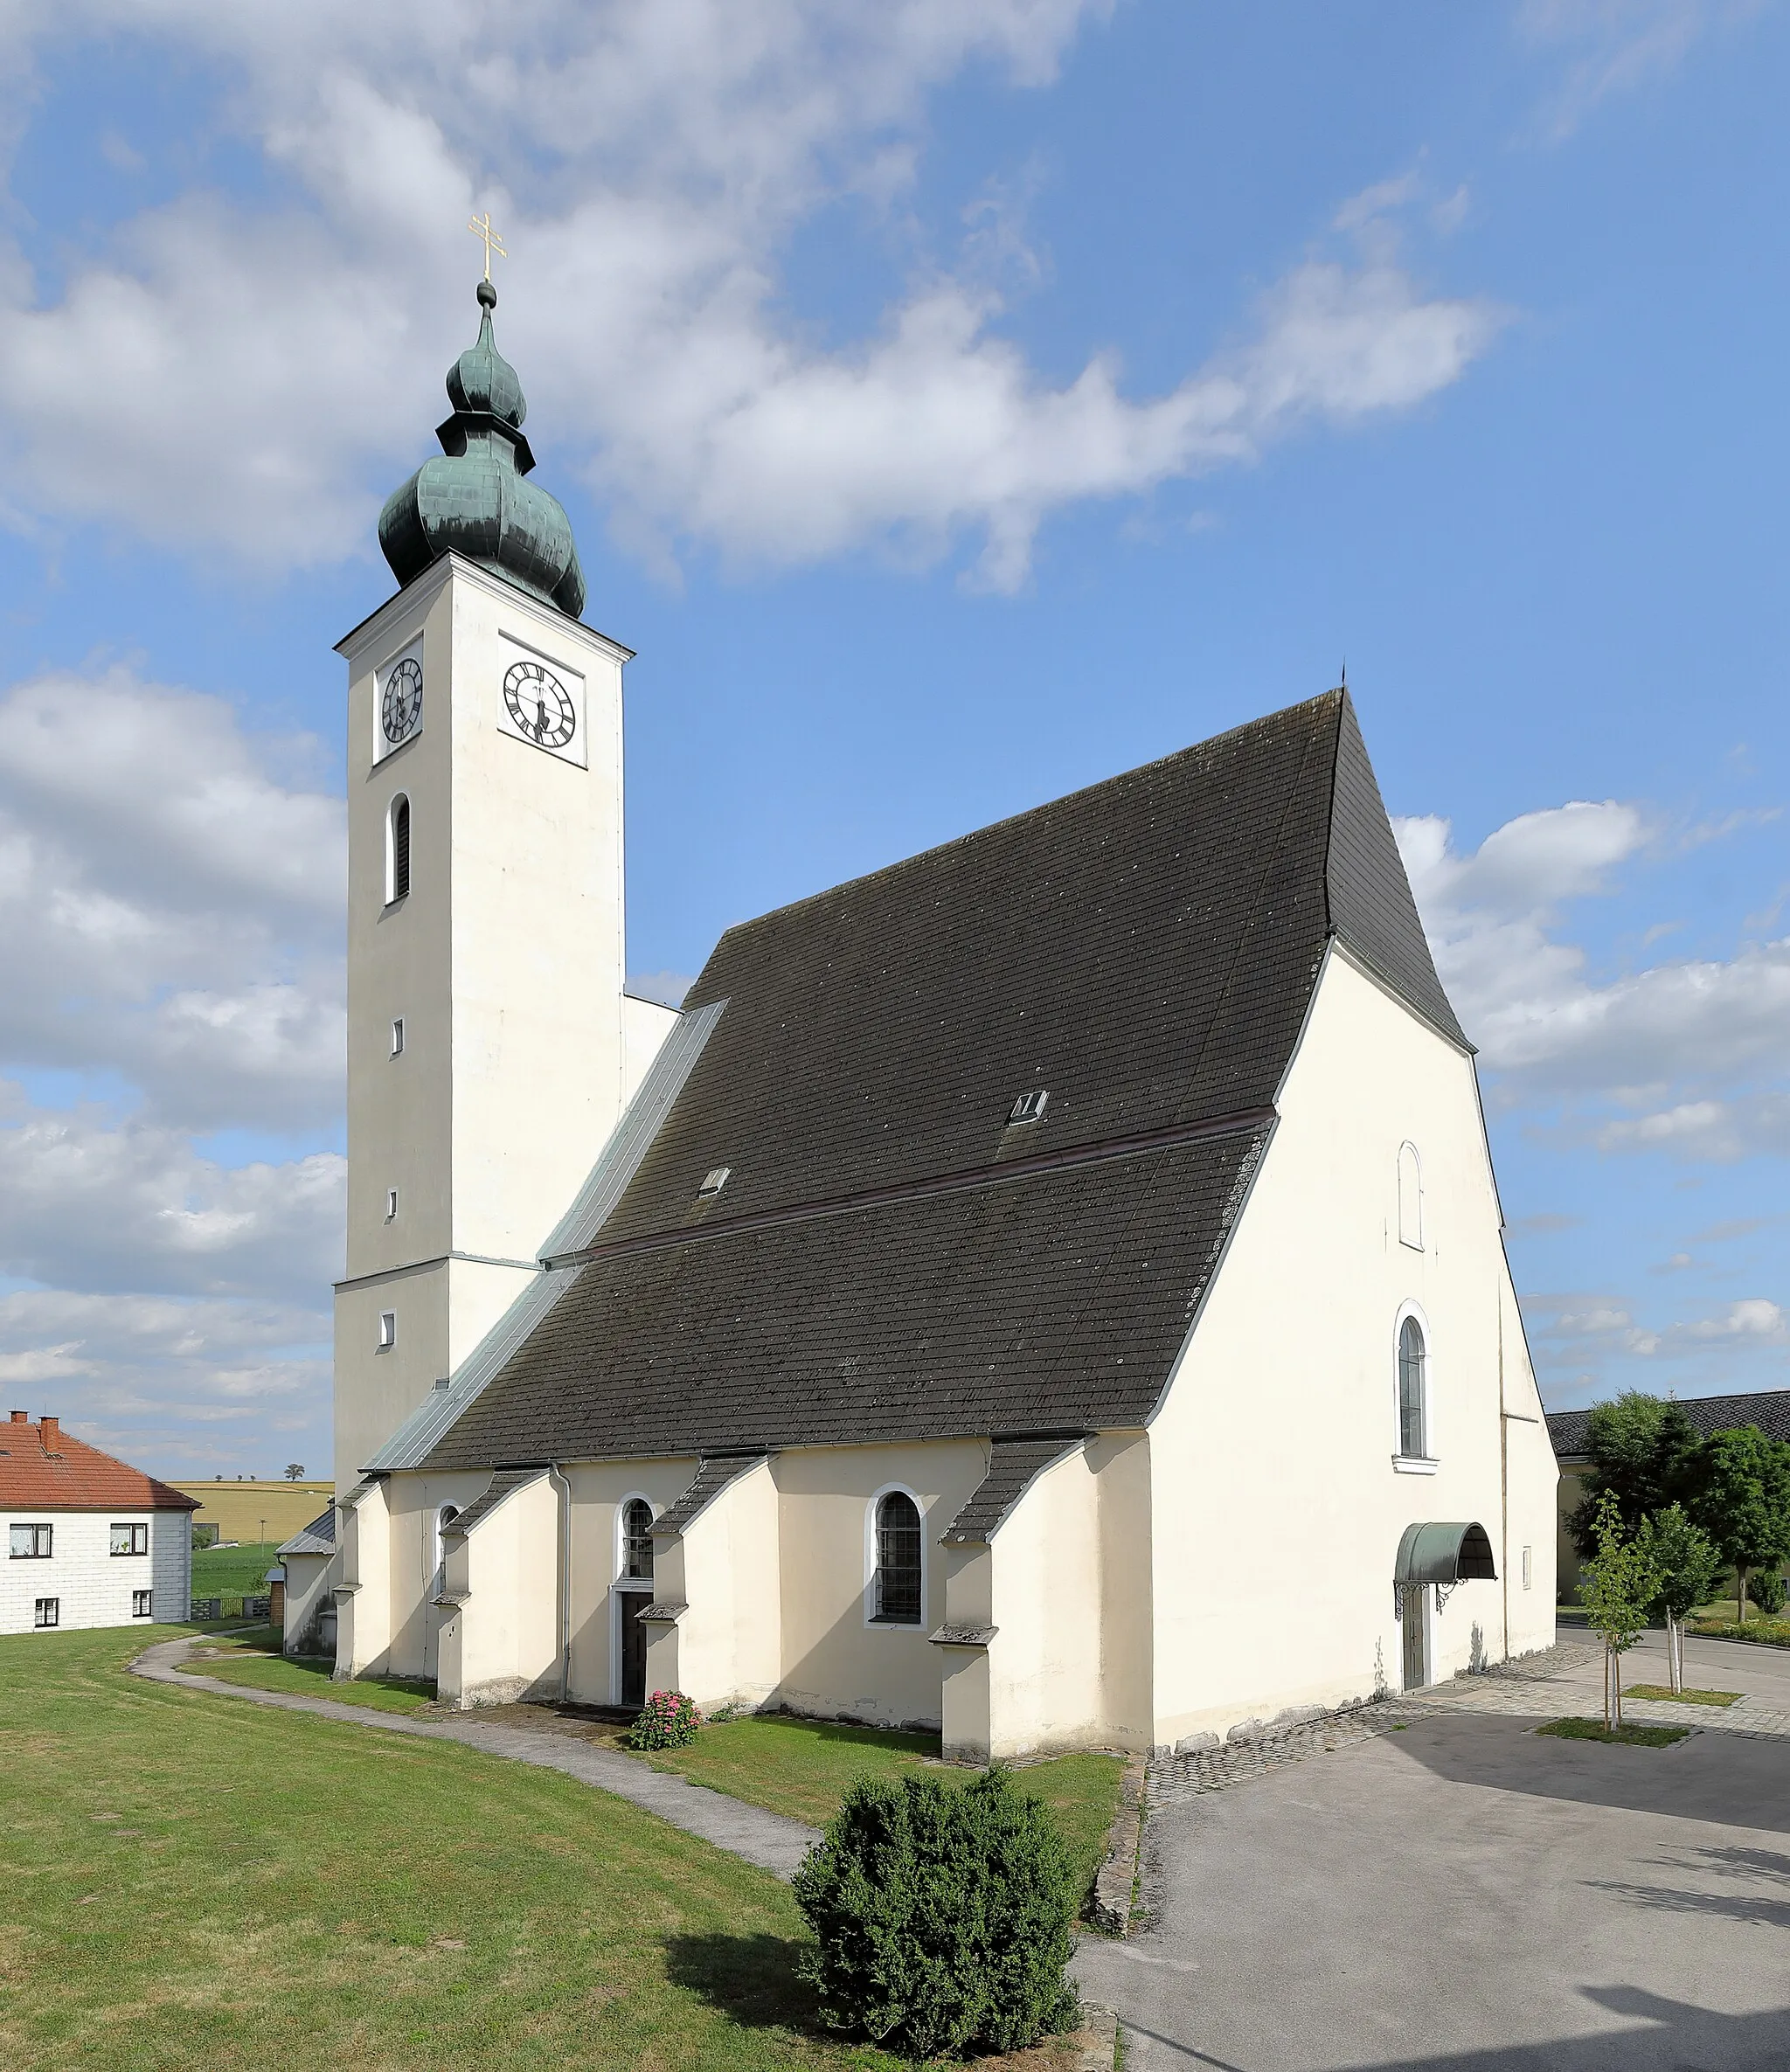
1100,2025
1115,1881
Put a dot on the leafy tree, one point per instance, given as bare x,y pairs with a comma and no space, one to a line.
1686,1565
295,1471
1643,1451
942,1915
1618,1586
1743,1502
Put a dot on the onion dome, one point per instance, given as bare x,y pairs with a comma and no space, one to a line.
472,499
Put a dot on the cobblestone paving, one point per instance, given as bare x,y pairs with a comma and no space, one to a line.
1568,1678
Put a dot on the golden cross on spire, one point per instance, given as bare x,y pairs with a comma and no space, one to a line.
481,227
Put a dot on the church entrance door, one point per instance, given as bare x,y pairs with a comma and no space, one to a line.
628,1606
1417,1653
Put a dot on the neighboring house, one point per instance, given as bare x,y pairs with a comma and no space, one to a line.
1051,1289
89,1540
1569,1430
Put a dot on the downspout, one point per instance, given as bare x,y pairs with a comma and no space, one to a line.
563,1488
1503,1480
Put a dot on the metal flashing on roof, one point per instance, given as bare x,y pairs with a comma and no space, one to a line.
435,1416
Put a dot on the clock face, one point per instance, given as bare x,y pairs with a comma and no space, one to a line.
402,705
540,705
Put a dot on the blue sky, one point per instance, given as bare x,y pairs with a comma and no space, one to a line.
955,405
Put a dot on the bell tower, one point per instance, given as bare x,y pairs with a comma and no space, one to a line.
490,1046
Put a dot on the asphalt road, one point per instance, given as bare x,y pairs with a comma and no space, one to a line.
1463,1896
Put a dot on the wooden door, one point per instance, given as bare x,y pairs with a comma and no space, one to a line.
1417,1666
629,1604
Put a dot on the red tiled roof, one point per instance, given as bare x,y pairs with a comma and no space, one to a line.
43,1469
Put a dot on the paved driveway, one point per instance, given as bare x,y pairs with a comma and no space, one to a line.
1460,1894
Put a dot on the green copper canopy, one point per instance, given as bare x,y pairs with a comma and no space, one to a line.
473,498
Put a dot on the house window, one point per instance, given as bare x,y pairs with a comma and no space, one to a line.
398,851
897,1577
48,1613
140,1600
388,1329
130,1539
30,1543
1410,1198
397,1035
1413,1361
637,1540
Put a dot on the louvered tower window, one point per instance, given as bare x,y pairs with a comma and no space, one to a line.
398,855
897,1560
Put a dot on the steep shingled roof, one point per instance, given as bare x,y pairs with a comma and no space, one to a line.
43,1469
890,1259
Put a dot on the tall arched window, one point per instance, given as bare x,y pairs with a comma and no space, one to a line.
897,1579
1410,1198
444,1518
637,1540
398,851
1413,1359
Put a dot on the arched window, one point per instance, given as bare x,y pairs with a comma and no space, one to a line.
1413,1419
1410,1198
398,851
897,1577
637,1540
444,1518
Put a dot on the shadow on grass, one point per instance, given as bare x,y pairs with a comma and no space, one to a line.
752,1979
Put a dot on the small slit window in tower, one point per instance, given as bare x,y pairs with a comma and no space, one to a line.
388,1329
398,851
390,1204
713,1181
397,1034
1029,1107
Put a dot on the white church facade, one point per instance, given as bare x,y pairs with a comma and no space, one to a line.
1051,1291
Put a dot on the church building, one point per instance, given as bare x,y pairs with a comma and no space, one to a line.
1051,1291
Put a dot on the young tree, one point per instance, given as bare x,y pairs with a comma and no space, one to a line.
1686,1563
1742,1501
1618,1586
1643,1451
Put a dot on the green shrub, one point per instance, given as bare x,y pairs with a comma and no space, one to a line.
941,1915
1766,1588
670,1721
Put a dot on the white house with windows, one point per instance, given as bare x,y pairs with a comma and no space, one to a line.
89,1542
1052,1289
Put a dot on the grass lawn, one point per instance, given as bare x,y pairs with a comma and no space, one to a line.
192,1881
1628,1737
244,1661
803,1767
233,1573
1671,1697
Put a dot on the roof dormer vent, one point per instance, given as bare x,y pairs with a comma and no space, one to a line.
713,1181
1029,1107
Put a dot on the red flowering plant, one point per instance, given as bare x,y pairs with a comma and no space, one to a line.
669,1721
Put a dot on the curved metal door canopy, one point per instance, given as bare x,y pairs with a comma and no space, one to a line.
1446,1554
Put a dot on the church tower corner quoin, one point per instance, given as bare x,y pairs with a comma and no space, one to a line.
490,1047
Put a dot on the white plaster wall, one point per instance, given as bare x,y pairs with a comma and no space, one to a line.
730,1641
502,1643
506,963
1277,1510
310,1587
834,1661
599,1489
413,1503
645,1025
364,1596
93,1585
1045,1660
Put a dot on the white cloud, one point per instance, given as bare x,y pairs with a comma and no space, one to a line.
309,339
1615,46
171,910
1687,1052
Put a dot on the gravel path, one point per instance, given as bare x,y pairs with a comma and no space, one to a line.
768,1839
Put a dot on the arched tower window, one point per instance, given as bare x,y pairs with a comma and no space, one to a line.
897,1577
1410,1198
637,1540
1413,1378
444,1518
398,851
